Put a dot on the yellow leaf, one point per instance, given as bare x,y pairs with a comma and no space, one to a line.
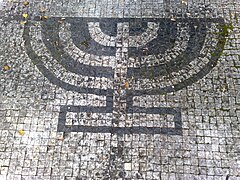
126,85
25,16
6,67
23,22
26,3
21,132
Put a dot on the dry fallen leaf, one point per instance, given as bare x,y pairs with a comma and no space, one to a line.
126,85
224,88
6,67
173,19
23,22
42,10
26,3
56,43
25,16
61,138
21,132
61,20
184,2
43,17
104,157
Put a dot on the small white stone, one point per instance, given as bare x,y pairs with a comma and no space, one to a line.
128,166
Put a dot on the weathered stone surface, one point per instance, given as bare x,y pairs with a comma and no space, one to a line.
124,89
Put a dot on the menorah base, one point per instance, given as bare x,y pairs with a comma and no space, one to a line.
175,112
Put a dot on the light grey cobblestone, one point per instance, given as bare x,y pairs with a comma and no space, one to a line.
119,141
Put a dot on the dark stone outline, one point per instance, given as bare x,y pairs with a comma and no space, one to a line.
137,27
108,26
62,127
119,130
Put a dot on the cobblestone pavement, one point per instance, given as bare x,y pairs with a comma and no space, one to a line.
119,89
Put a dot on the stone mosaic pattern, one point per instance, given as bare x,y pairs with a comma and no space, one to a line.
123,89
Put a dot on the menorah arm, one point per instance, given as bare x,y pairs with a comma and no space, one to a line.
134,41
63,121
150,33
197,36
99,36
50,35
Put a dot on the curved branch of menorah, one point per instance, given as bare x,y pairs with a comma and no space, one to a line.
197,35
158,36
82,39
39,63
79,55
60,72
99,36
205,65
50,35
179,47
165,39
150,33
198,32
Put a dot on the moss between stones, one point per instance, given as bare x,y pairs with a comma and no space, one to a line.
223,34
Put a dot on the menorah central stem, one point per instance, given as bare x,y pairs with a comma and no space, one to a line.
119,96
120,76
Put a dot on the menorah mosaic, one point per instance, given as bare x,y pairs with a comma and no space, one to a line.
132,58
